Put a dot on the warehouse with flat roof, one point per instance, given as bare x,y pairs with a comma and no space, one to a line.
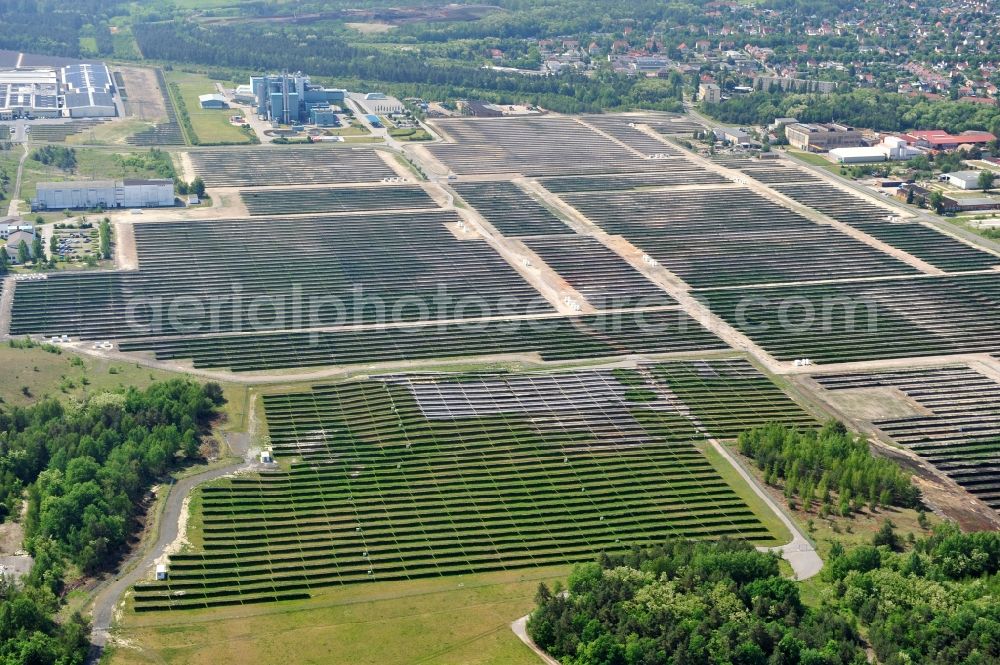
87,194
82,90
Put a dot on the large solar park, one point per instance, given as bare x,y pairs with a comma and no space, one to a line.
640,299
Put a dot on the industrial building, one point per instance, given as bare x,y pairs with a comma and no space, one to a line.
87,91
324,117
82,90
29,93
290,98
938,139
377,103
737,136
88,194
963,179
892,148
243,94
820,137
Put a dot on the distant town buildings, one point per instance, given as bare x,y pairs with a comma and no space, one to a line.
709,93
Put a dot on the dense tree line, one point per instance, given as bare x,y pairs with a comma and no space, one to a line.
826,466
262,48
725,603
84,469
54,27
878,110
28,633
687,602
59,156
934,605
104,234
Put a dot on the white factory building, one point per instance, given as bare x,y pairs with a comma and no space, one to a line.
377,103
83,90
106,194
892,148
29,93
963,179
88,91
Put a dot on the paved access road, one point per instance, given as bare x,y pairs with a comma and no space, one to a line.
137,567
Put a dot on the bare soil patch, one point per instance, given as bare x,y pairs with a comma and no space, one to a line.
873,404
145,101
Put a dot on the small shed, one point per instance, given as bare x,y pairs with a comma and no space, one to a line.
161,571
265,457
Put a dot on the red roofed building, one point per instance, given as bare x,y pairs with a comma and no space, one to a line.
938,139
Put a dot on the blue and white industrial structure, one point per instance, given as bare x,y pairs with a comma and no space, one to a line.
290,98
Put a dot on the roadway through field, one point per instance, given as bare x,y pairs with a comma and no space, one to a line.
138,567
15,198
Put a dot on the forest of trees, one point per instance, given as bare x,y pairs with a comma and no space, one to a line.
685,603
829,467
725,603
260,48
882,111
84,470
934,604
28,633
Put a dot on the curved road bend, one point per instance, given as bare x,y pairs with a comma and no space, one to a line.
137,567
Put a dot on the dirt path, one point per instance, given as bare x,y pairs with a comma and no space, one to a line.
799,553
126,256
15,197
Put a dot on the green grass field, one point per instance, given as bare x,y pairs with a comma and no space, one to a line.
109,133
69,376
816,160
91,164
211,126
461,620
